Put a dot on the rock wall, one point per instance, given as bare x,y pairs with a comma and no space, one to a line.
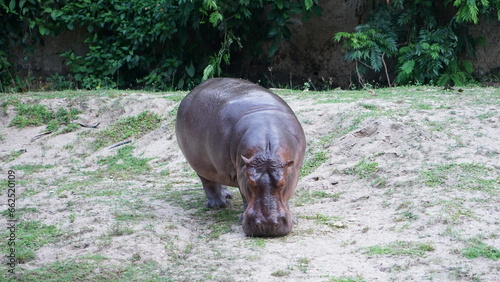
488,55
311,54
46,59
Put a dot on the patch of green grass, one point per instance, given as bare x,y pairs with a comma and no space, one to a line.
32,168
323,194
132,215
438,125
18,214
36,115
370,107
88,186
303,264
456,209
423,106
465,176
188,199
479,249
347,279
128,127
15,154
119,229
302,197
364,169
31,236
216,221
67,129
313,162
401,248
258,242
132,209
125,161
281,273
486,115
221,220
330,221
31,115
95,269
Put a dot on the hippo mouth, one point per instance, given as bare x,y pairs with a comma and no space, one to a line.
275,223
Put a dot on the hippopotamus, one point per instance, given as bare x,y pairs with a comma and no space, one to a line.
236,133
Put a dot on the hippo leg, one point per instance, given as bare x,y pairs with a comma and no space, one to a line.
217,194
245,205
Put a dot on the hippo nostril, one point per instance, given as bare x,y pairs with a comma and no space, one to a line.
257,224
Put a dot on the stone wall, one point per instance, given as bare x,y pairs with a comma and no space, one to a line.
311,54
46,59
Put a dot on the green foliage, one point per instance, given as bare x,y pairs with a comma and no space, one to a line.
160,44
425,59
470,11
22,24
429,47
370,43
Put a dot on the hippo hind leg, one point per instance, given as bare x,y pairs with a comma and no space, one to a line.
217,194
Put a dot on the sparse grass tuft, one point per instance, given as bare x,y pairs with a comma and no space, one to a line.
364,169
32,168
328,220
464,176
479,249
303,264
119,230
94,269
31,115
313,162
128,127
346,279
401,248
280,273
125,161
36,115
31,236
370,107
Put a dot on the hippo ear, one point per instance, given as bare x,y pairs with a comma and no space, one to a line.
289,164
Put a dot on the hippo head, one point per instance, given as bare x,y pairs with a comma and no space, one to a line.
267,183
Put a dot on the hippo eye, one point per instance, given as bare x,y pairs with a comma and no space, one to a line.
251,178
280,184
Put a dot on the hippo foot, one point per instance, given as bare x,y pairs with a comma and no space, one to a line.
217,203
220,202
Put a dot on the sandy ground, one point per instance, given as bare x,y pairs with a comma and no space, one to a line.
413,173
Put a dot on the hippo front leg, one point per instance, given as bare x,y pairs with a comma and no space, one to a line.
245,205
217,194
